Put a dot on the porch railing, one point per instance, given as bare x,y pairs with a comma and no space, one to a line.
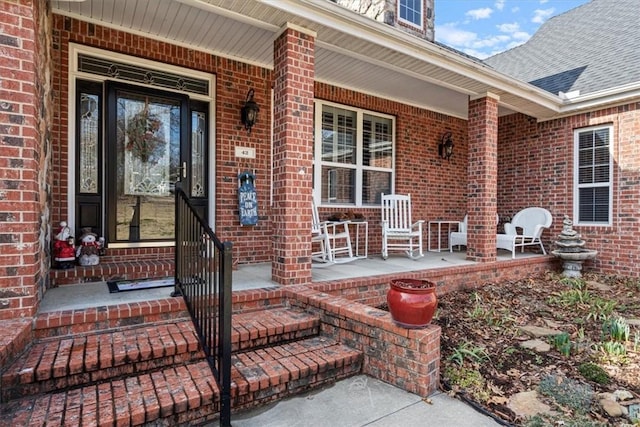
203,268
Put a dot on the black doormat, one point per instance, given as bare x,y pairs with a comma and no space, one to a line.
138,284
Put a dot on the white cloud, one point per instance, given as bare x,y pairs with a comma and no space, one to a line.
541,15
483,13
450,35
499,4
508,28
521,35
543,1
515,9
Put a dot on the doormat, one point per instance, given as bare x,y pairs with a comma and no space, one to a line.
138,284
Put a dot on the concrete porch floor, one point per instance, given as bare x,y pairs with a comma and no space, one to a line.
258,276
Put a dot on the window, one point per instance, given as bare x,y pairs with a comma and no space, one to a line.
354,152
593,176
410,11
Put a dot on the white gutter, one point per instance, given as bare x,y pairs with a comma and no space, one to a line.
600,99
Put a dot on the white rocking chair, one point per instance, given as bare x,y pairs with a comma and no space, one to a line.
327,235
398,231
525,229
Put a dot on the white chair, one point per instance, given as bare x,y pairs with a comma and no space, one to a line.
398,231
332,238
459,238
525,229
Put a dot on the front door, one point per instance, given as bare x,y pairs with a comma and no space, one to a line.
153,141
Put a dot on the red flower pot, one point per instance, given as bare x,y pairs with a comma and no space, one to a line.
412,302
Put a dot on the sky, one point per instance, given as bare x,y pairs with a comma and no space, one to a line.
482,28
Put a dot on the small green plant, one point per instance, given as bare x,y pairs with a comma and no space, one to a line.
600,309
562,343
469,380
571,298
567,392
617,329
562,420
613,349
466,351
594,373
574,282
636,342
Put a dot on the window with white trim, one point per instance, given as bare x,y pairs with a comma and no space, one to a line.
410,11
353,155
593,176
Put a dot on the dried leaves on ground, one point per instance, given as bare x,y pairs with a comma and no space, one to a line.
562,341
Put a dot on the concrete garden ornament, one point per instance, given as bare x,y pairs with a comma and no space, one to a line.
570,250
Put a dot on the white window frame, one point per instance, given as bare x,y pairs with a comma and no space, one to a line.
413,24
318,163
576,170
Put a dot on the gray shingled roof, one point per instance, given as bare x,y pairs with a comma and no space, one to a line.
591,48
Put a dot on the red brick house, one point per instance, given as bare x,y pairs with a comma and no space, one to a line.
352,104
77,76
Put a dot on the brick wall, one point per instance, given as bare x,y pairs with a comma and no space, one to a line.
233,81
437,187
25,114
535,168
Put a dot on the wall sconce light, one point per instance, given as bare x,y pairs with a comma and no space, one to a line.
445,148
249,112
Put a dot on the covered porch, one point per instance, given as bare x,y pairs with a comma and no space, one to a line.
253,283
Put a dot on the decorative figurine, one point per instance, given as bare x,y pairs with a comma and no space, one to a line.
64,248
88,252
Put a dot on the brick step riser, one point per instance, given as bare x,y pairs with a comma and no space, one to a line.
293,387
16,389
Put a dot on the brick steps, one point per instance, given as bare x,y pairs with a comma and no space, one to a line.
75,360
156,373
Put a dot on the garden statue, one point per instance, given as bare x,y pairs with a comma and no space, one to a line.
88,252
64,248
570,248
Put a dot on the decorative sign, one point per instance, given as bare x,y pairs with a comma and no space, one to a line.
247,199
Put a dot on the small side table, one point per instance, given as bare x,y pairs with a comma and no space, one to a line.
364,225
439,224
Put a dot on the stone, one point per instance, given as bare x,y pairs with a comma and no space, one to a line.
633,322
611,407
621,395
597,285
538,331
527,404
536,345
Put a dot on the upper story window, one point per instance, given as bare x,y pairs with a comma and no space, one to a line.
593,176
353,155
410,11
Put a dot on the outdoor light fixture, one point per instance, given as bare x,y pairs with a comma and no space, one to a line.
249,112
445,148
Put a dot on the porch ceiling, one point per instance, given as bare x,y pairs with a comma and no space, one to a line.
352,51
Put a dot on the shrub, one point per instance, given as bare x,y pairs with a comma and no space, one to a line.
594,373
567,392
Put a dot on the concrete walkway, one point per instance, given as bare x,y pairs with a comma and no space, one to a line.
363,401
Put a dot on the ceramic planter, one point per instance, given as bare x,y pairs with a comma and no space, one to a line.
412,302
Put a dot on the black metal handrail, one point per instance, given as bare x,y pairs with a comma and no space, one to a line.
203,268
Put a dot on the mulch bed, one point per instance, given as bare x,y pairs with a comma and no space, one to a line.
487,321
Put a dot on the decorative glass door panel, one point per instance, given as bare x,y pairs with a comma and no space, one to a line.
148,131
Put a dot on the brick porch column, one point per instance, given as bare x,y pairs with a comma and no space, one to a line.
483,178
25,155
294,76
